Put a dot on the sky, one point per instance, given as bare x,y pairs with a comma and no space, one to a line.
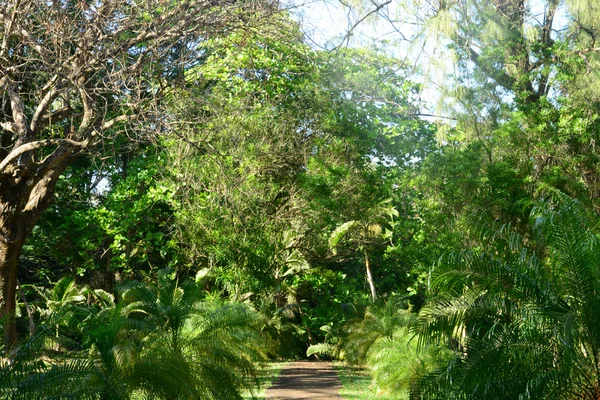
326,24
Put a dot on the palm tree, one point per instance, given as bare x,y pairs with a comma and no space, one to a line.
374,227
64,303
523,323
160,342
377,323
91,366
195,349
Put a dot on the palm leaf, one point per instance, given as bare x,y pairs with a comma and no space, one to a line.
339,233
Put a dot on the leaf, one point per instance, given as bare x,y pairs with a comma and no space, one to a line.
321,348
338,234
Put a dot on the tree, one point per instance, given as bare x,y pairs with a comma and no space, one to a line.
526,68
365,233
212,347
526,88
520,79
160,341
123,231
246,150
77,74
521,315
288,144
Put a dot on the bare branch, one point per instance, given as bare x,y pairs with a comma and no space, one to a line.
7,126
34,45
18,111
118,120
31,146
88,112
588,50
7,28
44,103
59,115
377,8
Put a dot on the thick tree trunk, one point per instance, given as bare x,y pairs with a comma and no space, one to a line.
10,249
370,278
23,199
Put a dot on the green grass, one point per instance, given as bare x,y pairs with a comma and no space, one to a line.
268,374
356,384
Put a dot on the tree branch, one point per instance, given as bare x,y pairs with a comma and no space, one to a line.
88,113
47,176
18,112
361,20
500,77
59,115
8,28
44,103
543,86
34,45
117,120
588,50
7,126
28,147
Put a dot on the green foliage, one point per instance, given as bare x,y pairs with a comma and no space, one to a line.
161,341
287,144
396,362
122,222
377,324
521,321
383,341
269,190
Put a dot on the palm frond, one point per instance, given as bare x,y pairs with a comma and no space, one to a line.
320,348
339,233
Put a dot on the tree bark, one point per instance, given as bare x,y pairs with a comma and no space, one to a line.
370,278
25,192
10,249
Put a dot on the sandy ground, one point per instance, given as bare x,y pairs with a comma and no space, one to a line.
306,380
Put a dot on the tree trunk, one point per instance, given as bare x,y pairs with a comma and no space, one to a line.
23,199
370,278
12,240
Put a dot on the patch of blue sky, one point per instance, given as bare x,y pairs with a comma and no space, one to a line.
394,31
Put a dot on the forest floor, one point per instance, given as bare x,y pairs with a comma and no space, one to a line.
306,380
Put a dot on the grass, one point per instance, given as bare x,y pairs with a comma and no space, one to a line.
356,384
267,376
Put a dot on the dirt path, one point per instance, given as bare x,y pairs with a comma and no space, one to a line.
306,380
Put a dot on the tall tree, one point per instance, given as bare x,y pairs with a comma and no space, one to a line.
526,88
291,141
75,74
375,226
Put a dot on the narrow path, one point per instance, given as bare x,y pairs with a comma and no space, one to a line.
306,380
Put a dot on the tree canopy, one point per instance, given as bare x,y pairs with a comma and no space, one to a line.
188,189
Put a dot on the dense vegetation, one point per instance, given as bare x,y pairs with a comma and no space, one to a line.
189,189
